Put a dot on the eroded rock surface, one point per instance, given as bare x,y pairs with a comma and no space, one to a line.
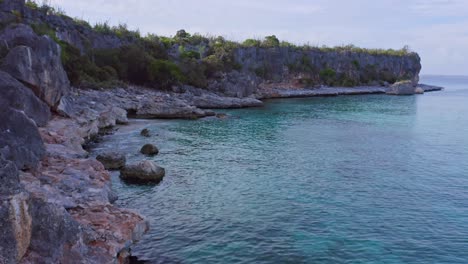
35,61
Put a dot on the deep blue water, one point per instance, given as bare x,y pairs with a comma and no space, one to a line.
349,179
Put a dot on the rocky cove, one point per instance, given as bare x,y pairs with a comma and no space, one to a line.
56,200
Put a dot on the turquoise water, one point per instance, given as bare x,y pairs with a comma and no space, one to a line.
351,179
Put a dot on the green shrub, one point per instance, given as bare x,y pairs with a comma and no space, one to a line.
44,29
163,74
262,71
252,43
82,22
270,42
32,4
103,28
348,82
287,44
18,15
328,76
123,32
194,72
356,64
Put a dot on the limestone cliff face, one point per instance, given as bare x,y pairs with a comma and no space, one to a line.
284,63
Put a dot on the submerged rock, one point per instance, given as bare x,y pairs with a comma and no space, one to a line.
402,88
112,160
145,132
149,149
142,172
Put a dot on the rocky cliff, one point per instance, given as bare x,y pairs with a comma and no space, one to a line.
214,64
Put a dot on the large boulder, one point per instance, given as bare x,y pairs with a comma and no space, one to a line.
20,140
142,172
35,61
112,160
17,96
402,88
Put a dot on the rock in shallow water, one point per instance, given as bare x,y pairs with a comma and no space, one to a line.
419,90
402,88
149,149
145,132
142,172
112,160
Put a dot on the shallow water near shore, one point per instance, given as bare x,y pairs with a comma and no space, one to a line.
348,179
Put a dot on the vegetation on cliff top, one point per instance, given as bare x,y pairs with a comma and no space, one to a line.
162,62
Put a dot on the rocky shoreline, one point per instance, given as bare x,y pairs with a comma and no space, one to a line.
56,203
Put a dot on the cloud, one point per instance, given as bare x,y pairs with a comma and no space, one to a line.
440,7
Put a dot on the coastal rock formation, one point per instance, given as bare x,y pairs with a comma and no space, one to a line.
20,141
149,149
112,160
142,172
15,95
311,67
36,62
402,88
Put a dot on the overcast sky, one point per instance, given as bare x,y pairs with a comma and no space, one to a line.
436,29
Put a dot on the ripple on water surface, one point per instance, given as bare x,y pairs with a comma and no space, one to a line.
356,179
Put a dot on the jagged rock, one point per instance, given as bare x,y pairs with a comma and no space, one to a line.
401,88
9,177
55,234
112,160
15,227
145,132
171,108
149,149
36,62
142,172
218,102
21,137
235,84
17,96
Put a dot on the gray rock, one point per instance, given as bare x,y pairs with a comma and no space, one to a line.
401,88
9,177
145,132
55,233
172,108
15,227
21,137
36,62
149,149
142,172
17,96
112,160
419,90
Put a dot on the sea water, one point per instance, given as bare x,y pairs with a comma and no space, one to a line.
348,179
